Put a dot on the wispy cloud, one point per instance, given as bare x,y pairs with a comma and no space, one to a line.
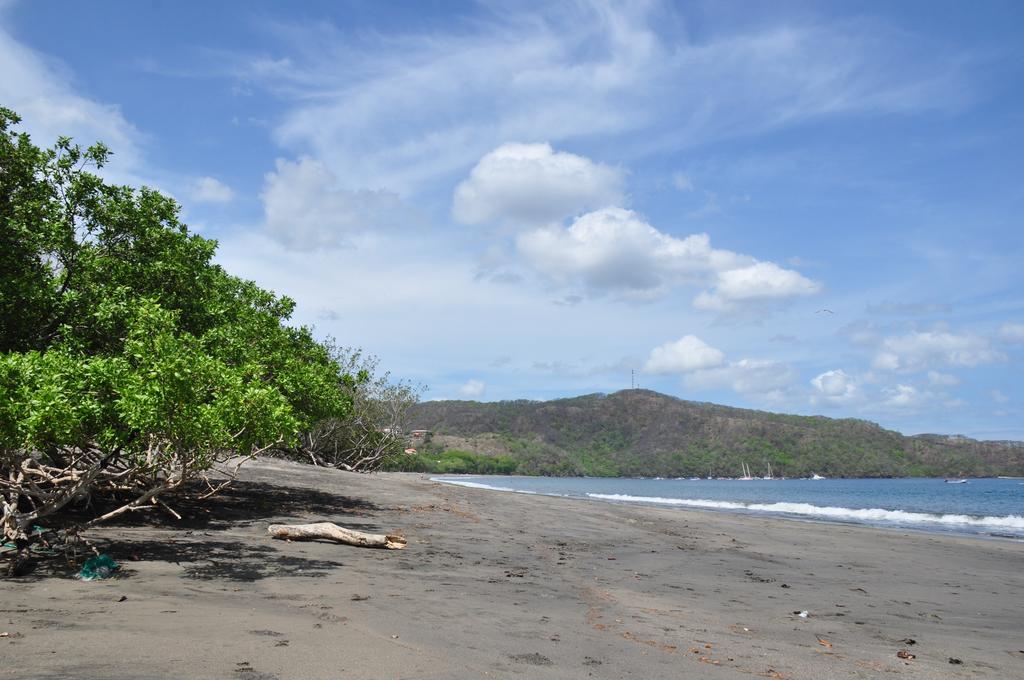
400,111
40,89
211,190
921,350
305,208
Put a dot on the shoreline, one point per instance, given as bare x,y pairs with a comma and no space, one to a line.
515,585
920,521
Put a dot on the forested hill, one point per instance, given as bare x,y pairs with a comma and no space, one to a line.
644,433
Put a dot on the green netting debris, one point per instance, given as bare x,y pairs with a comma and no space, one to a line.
99,567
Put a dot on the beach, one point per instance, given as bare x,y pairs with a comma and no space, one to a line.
497,585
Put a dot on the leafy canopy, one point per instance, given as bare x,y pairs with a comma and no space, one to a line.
120,336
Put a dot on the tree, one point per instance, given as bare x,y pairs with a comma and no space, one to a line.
131,364
375,428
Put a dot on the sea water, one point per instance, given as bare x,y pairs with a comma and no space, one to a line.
992,507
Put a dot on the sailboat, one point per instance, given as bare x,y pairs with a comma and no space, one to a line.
746,473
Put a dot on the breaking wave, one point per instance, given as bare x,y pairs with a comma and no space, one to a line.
869,515
478,485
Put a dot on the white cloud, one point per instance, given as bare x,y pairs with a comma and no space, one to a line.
614,249
532,184
1012,332
938,379
918,351
306,210
756,282
473,388
835,387
902,396
211,190
751,377
688,353
40,90
401,111
999,397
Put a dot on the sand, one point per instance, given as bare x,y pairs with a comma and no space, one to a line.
497,585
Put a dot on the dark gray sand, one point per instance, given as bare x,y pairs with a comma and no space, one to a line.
511,585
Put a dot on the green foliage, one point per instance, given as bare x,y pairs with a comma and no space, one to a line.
125,353
453,461
643,433
373,431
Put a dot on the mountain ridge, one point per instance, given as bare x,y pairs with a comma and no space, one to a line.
640,432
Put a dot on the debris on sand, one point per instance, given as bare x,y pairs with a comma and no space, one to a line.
98,568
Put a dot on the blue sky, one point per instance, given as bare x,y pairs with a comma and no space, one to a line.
511,201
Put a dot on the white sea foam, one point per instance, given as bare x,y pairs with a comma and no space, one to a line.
1014,522
478,485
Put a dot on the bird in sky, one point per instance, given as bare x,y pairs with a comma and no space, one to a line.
826,311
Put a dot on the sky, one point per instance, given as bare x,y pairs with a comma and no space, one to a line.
800,207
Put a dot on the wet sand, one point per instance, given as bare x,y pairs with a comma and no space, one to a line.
498,585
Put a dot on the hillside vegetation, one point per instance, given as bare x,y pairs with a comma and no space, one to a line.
644,433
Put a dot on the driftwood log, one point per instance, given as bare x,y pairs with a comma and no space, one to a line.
332,532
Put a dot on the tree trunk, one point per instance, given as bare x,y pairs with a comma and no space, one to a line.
332,532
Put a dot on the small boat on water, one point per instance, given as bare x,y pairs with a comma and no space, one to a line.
956,481
817,476
746,474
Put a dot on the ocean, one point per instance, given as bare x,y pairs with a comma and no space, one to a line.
989,507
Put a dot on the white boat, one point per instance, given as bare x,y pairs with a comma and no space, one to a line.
956,481
746,474
817,476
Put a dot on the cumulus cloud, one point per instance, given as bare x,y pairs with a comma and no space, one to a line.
533,184
1012,332
756,282
473,388
999,396
306,210
614,249
919,350
211,190
688,353
835,387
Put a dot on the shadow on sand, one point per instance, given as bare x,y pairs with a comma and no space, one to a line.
196,542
